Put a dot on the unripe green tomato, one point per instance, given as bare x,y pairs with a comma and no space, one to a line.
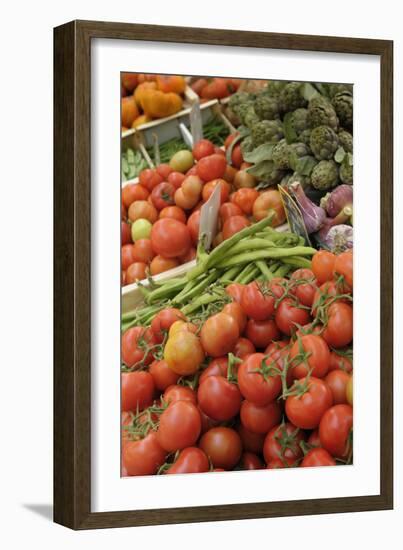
141,229
349,391
182,161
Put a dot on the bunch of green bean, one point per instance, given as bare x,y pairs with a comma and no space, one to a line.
258,252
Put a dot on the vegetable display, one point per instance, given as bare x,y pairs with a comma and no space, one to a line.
243,363
243,359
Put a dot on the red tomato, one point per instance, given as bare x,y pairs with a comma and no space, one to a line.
170,238
236,156
337,382
191,460
279,462
312,398
338,331
163,321
217,367
223,446
283,441
159,264
229,139
136,272
340,362
335,430
211,185
219,334
258,380
235,290
251,442
142,210
162,375
126,233
261,333
164,170
134,342
127,255
260,419
233,225
149,178
245,198
203,148
310,354
250,461
143,251
190,255
176,179
235,310
323,266
137,390
278,286
288,315
230,174
304,291
143,457
343,267
133,192
211,167
163,195
327,294
317,457
179,393
257,301
179,427
243,348
173,212
218,398
193,224
269,203
228,209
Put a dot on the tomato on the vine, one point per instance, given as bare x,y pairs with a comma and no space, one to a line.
143,457
262,333
257,301
310,398
283,441
259,381
162,375
223,446
191,460
250,461
260,419
135,342
163,321
219,398
219,334
179,393
335,430
317,457
137,390
323,265
304,286
290,314
309,354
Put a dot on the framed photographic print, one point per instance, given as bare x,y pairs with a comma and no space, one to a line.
207,319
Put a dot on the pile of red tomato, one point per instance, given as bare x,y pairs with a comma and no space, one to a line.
161,213
264,383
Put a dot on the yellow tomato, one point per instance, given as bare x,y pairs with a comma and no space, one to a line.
178,326
183,352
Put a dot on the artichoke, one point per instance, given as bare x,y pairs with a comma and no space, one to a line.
267,107
247,145
346,173
346,141
266,131
280,155
337,88
323,142
325,175
273,177
291,97
299,120
305,181
249,117
343,105
322,113
305,137
238,99
275,87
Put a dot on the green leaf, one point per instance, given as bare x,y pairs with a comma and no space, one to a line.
262,152
289,131
348,160
308,91
302,165
261,170
339,155
125,165
323,88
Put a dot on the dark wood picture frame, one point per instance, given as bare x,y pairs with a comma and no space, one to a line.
72,269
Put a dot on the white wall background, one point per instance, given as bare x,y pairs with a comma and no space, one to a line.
26,272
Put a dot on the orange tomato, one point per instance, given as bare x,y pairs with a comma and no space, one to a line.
159,264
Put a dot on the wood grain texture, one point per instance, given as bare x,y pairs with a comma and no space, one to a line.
72,271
